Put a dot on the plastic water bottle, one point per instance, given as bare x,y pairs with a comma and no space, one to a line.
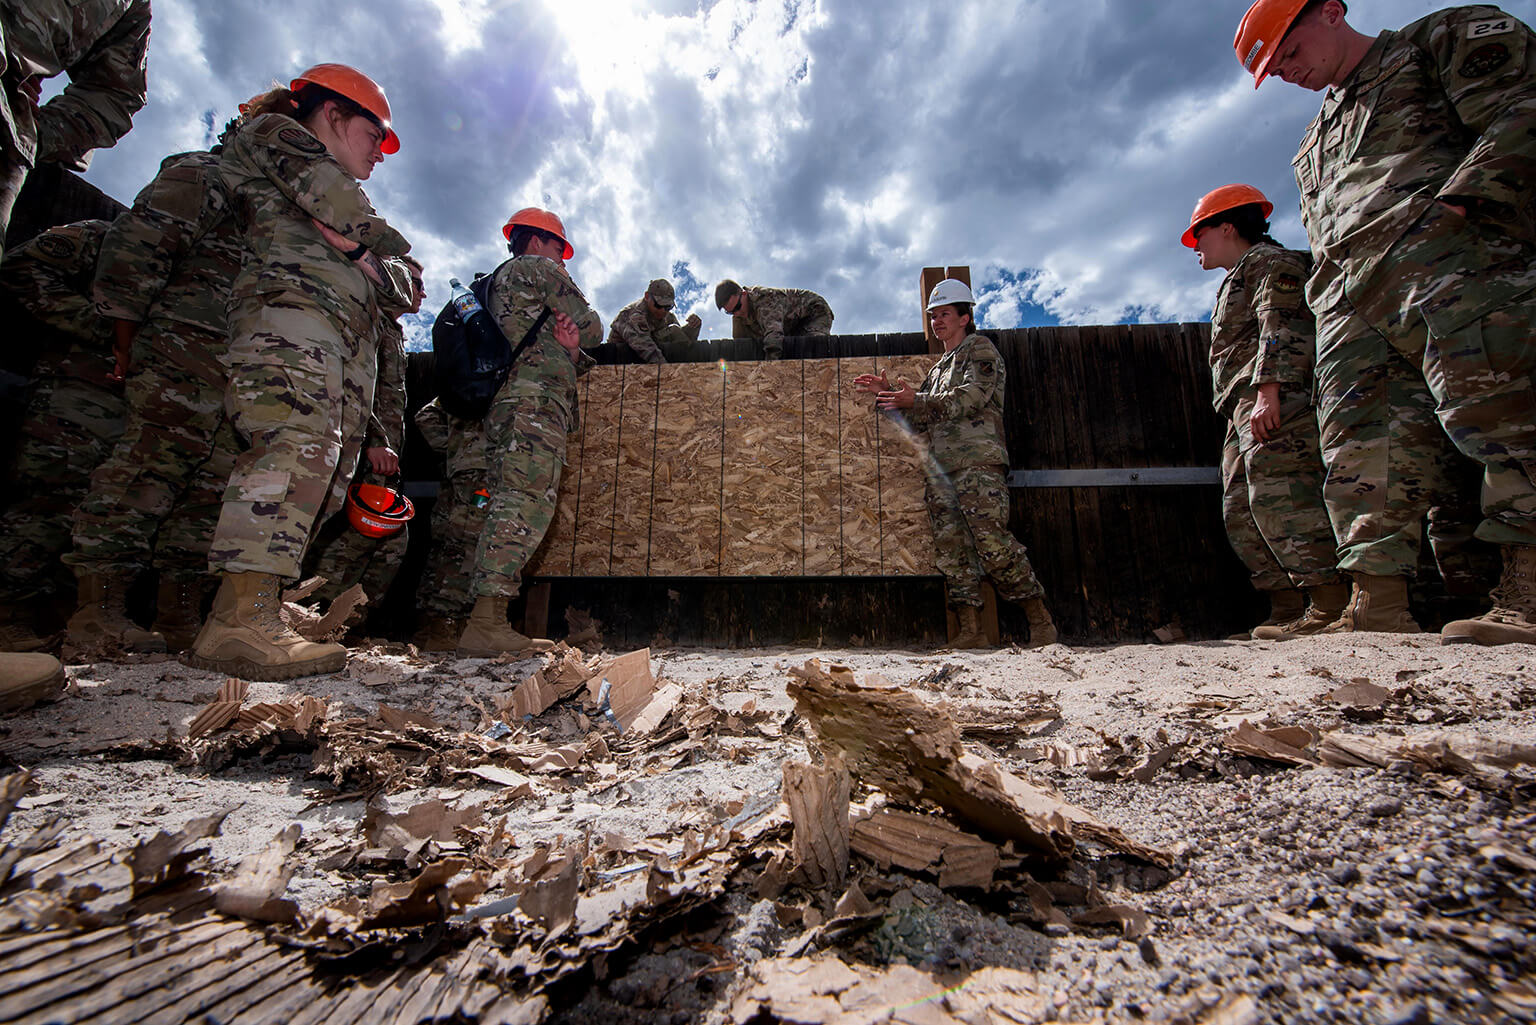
464,301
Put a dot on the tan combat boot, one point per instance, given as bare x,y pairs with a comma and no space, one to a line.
1285,607
179,608
488,634
969,633
1042,630
1377,604
438,633
27,678
245,635
17,632
101,618
1512,620
1328,603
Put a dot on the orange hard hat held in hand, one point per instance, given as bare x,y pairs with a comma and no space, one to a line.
377,511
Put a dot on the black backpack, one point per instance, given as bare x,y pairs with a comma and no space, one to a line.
472,362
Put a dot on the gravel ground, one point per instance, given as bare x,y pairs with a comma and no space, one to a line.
1328,895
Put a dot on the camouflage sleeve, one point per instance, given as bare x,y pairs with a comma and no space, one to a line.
386,424
301,168
979,379
398,295
1287,334
145,243
741,329
50,277
591,327
432,422
770,308
105,90
628,327
525,286
1485,61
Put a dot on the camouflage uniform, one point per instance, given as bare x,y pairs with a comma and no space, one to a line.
773,313
75,414
166,265
529,419
303,342
101,45
650,340
1272,500
959,408
1408,294
459,513
340,553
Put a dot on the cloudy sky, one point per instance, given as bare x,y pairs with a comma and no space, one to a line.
839,145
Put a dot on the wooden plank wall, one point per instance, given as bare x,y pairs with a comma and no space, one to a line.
742,469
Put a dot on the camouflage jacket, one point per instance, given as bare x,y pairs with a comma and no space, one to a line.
279,176
461,443
386,424
770,310
960,406
101,45
1261,329
520,290
173,256
633,327
1443,110
50,276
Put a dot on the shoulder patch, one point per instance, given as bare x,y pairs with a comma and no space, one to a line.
1484,60
56,247
1490,27
301,140
1287,284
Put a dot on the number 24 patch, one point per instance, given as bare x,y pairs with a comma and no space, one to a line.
1492,27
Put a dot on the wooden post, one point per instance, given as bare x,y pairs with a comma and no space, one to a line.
536,611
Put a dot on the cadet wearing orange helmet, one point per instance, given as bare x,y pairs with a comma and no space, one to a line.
1416,182
303,325
1262,350
529,419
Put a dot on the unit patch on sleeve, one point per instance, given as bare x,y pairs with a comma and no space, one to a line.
1288,284
1484,60
301,140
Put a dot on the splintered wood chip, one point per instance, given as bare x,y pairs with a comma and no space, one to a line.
166,857
817,797
926,843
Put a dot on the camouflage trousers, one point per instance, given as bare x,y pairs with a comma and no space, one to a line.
968,509
1272,498
156,496
345,557
525,445
13,172
301,420
1382,400
457,520
74,417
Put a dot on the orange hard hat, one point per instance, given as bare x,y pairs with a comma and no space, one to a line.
1228,197
357,87
1260,31
534,217
376,511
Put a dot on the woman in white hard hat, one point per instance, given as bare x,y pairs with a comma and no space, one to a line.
304,319
959,411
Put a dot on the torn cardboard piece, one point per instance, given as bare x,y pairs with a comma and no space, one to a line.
256,889
926,843
1287,744
1454,751
166,858
817,797
429,820
435,894
221,711
563,673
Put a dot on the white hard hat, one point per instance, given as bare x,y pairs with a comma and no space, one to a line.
950,291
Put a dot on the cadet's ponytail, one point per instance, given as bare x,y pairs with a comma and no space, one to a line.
301,105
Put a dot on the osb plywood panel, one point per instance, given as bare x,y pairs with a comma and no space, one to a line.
685,505
763,488
554,555
907,537
823,522
860,459
637,450
599,476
